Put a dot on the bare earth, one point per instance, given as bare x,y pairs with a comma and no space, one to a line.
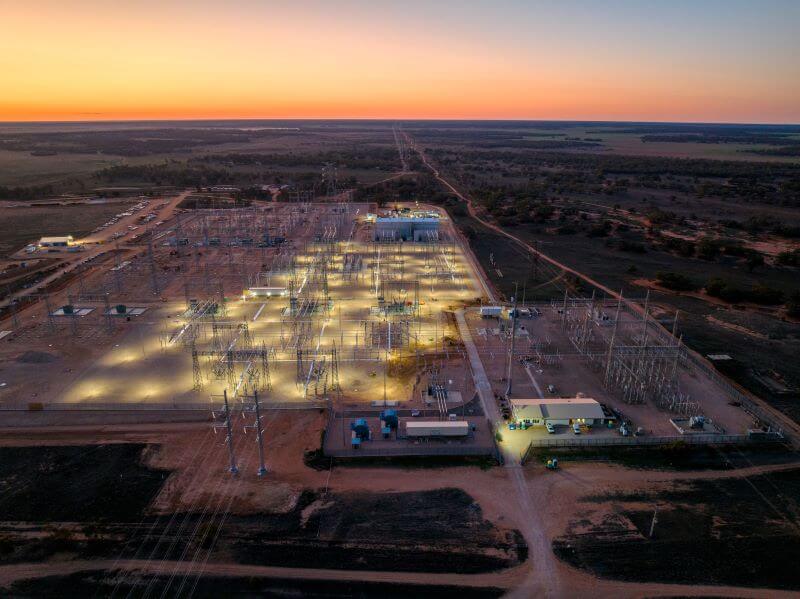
553,495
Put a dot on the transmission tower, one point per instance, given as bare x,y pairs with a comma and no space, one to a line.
329,176
265,367
225,414
335,372
257,426
197,373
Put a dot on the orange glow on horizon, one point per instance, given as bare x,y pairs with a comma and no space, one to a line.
91,60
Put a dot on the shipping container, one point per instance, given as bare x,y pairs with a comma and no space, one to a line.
448,428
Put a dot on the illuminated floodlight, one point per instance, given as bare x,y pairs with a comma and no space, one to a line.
254,292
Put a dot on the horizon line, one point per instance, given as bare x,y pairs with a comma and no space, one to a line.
380,119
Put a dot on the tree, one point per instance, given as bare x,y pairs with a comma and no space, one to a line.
789,258
675,280
724,290
793,305
754,260
708,249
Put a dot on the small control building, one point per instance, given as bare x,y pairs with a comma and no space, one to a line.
54,242
558,410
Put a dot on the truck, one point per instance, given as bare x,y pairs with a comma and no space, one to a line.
491,311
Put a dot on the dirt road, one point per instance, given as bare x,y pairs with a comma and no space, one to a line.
78,258
542,579
476,212
9,574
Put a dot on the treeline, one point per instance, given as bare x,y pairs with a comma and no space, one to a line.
549,173
537,144
604,164
781,151
364,158
744,137
709,249
732,292
404,189
763,223
708,129
131,142
183,174
788,258
33,192
166,173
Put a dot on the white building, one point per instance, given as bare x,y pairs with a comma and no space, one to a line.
406,228
49,242
558,410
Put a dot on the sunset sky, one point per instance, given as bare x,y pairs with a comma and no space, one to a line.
714,60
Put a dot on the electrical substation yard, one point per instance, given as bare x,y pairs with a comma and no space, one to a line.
579,362
301,303
292,308
297,301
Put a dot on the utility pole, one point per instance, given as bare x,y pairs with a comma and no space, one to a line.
262,469
653,522
151,260
513,337
524,287
14,314
613,336
117,270
49,308
385,366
